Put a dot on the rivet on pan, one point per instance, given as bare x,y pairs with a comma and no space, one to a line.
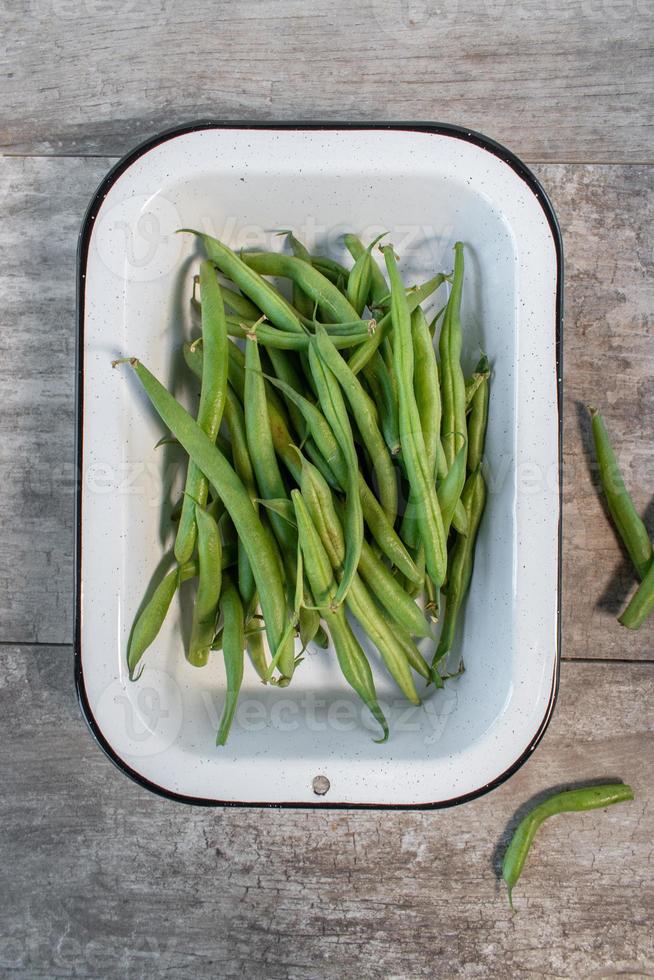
320,785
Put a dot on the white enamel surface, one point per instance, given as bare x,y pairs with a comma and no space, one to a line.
427,191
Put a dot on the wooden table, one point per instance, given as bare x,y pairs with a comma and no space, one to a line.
100,879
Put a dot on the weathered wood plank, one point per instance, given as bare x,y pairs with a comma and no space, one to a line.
554,81
43,208
101,879
607,215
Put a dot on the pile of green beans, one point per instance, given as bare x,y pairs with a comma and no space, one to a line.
629,525
334,470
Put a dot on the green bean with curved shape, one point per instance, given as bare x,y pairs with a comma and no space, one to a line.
256,540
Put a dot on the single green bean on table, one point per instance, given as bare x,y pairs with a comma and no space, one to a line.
569,801
641,603
621,507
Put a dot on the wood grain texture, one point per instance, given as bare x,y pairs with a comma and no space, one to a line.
554,80
102,879
607,214
42,208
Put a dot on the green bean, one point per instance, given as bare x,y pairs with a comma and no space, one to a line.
257,653
269,300
354,328
281,340
621,507
374,516
233,300
284,366
378,286
351,658
269,478
428,402
414,589
379,380
318,499
282,438
569,801
209,585
414,298
386,538
260,444
432,600
452,381
449,491
481,374
478,417
151,619
332,302
333,406
365,416
257,542
641,603
403,640
390,594
212,401
233,649
302,303
460,518
385,587
329,268
434,322
309,625
194,359
243,467
421,481
333,461
427,388
460,567
360,279
240,305
236,368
